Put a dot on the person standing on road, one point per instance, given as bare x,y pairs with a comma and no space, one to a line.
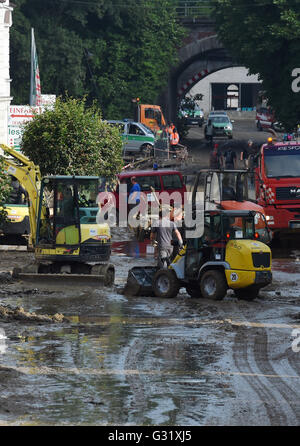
163,234
215,158
174,141
246,153
209,132
229,158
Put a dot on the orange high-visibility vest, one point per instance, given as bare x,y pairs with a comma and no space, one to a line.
174,139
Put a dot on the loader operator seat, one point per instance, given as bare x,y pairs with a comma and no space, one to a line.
198,253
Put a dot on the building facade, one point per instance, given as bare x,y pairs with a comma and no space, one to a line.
5,98
228,89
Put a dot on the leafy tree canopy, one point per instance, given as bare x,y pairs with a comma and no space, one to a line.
75,139
264,35
110,51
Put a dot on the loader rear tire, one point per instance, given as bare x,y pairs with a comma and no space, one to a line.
213,285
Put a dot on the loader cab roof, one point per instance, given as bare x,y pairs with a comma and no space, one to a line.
231,213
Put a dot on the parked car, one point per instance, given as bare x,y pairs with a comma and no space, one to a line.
136,137
217,112
221,124
192,117
265,118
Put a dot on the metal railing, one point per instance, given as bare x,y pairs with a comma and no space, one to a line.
193,9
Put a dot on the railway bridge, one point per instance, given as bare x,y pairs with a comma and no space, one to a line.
200,54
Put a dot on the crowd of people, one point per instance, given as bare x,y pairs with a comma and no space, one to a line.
228,158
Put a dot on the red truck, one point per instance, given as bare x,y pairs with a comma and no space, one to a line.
278,186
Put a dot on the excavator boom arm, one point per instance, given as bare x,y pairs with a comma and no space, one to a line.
28,174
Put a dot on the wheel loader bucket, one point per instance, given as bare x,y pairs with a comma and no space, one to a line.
139,281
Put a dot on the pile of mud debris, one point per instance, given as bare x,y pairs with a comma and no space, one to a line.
8,314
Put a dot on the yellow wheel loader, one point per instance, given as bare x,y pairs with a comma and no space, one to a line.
230,253
67,239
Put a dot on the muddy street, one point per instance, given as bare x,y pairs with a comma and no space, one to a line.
124,360
85,354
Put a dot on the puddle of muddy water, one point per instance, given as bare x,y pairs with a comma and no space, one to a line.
103,371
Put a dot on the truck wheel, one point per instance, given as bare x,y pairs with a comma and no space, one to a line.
249,293
259,126
193,290
213,285
165,283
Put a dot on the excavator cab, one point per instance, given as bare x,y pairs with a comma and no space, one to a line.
68,231
68,236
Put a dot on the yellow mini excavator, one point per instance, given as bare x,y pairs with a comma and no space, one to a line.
64,233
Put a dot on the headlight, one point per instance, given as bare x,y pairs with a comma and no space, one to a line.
269,218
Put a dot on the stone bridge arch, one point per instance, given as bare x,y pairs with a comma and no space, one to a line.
200,55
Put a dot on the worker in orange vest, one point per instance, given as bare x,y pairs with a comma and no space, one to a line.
174,141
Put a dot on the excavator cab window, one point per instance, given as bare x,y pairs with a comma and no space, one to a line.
59,214
45,227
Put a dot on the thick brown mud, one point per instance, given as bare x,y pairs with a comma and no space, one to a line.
123,360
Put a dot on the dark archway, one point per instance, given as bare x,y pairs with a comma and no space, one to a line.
198,58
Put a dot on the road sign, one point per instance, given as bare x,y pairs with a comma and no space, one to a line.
18,115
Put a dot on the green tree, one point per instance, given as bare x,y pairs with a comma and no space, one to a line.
264,35
72,139
5,189
110,51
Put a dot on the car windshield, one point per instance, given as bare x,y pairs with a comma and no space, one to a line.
220,119
282,161
146,128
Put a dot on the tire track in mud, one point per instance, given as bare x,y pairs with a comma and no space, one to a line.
264,365
293,360
241,360
261,357
136,383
